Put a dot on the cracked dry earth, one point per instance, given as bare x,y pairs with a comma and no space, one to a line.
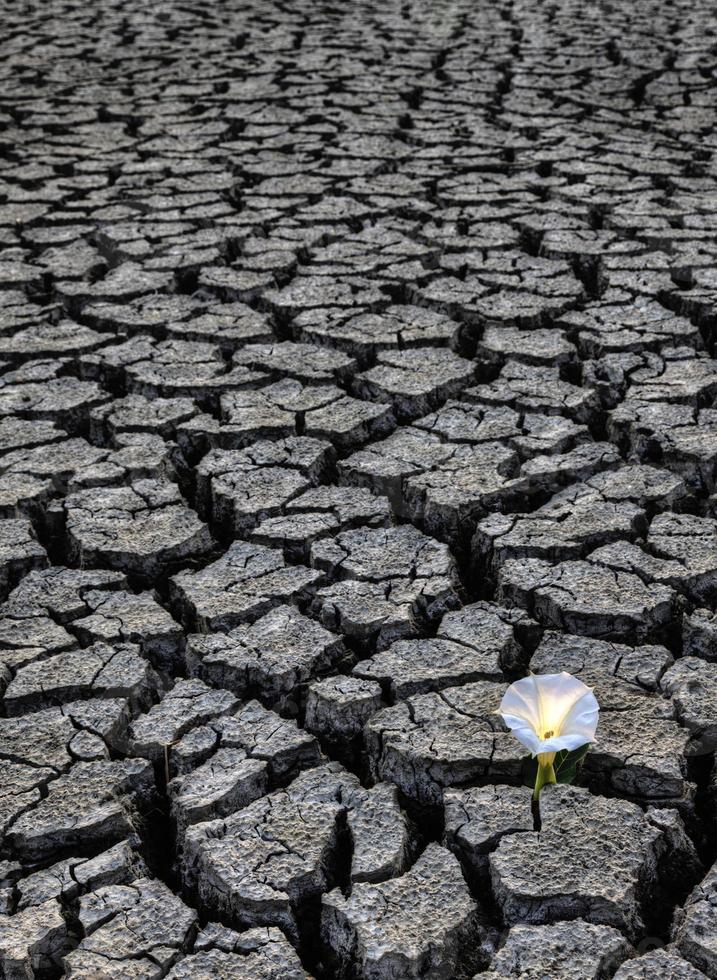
355,360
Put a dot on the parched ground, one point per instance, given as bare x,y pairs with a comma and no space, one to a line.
354,360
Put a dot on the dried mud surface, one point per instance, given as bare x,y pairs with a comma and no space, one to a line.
355,360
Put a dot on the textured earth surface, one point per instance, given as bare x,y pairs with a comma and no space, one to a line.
355,359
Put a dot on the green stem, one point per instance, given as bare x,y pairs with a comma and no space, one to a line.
546,774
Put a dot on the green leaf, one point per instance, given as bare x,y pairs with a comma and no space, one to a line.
568,764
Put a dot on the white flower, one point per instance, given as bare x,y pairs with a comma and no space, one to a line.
550,712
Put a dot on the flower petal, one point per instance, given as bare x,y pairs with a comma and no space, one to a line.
523,732
561,742
558,704
521,701
583,717
559,693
